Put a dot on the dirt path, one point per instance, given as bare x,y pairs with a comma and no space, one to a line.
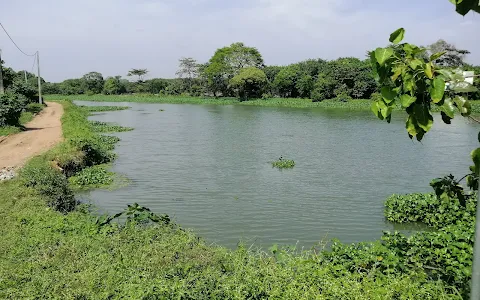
43,132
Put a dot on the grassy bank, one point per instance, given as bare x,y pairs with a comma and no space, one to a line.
72,254
362,104
273,102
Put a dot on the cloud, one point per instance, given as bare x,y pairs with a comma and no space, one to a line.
113,36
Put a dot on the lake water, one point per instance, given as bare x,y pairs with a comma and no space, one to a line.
209,167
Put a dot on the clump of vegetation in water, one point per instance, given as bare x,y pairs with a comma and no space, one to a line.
104,108
93,177
108,127
283,163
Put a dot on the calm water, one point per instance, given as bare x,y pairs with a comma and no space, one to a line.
209,168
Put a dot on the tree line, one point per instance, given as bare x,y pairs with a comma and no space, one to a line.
239,71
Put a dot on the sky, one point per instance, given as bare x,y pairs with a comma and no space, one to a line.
114,36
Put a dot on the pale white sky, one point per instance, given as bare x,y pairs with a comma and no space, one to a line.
113,36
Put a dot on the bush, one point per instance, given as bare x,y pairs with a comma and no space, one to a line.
429,209
343,97
22,88
11,107
50,183
34,108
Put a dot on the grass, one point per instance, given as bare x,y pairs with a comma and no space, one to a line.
71,255
283,163
105,127
357,104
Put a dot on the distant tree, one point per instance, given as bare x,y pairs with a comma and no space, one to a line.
93,82
348,76
51,88
249,82
305,85
141,73
72,87
227,62
156,85
113,86
453,57
286,80
188,70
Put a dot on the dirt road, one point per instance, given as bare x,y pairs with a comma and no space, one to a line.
42,133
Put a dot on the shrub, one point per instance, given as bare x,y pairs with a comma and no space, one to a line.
21,88
50,183
34,108
343,97
11,107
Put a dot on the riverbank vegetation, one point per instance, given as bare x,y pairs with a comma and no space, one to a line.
55,247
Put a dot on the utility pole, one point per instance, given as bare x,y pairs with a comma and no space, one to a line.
1,75
39,79
25,73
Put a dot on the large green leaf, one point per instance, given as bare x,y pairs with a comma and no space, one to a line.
448,108
397,36
376,110
446,119
415,63
408,82
407,100
476,159
437,55
397,72
464,6
412,126
437,89
463,105
382,54
446,73
423,117
428,70
464,87
388,94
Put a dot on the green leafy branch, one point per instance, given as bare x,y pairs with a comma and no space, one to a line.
135,214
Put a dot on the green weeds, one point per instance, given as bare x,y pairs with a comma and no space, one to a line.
104,108
356,104
283,163
104,127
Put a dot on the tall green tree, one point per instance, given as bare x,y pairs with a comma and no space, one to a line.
249,83
93,82
227,62
113,86
285,82
140,73
188,70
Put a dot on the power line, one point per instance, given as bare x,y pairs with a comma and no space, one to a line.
16,43
34,61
